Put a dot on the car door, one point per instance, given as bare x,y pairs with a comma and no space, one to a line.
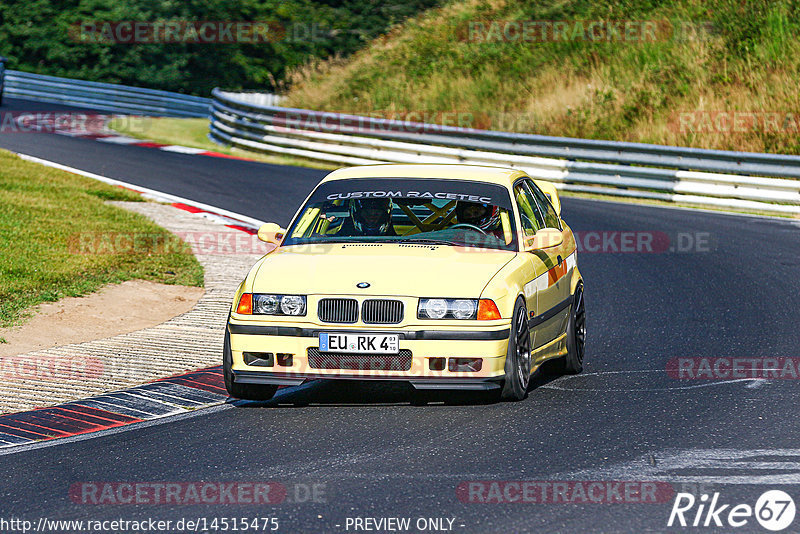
531,221
553,313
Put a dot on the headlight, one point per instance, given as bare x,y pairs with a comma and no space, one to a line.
268,304
433,308
447,309
463,309
293,305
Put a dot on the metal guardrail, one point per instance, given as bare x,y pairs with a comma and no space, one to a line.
744,180
257,99
104,96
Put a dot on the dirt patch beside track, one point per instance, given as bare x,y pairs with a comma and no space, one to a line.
115,309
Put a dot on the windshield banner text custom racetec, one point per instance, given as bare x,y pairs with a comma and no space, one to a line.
409,188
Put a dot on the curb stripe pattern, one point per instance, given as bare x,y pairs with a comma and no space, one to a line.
168,396
227,221
131,141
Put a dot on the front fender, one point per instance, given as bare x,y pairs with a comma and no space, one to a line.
576,279
507,284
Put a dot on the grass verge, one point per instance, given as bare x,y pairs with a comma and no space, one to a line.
45,212
194,133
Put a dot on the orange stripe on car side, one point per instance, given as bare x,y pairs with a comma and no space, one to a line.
556,272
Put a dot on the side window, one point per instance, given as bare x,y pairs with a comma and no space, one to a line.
550,216
530,217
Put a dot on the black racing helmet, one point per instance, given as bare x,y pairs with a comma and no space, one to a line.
486,219
371,216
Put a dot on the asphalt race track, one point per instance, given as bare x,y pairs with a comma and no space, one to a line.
727,289
236,185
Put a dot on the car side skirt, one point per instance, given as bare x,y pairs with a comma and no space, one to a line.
549,314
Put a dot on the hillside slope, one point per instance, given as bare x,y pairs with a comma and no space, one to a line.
714,73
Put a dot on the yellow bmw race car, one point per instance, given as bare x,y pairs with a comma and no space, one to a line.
445,276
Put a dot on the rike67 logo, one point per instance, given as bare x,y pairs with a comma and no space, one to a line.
774,510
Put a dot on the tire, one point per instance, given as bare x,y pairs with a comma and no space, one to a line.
572,362
518,356
256,392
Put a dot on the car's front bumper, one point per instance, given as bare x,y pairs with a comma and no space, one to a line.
490,344
284,379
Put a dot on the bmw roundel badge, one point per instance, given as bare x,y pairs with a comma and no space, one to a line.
362,285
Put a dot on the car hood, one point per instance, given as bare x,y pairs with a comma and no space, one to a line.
389,269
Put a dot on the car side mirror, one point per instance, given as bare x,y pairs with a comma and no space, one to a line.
271,233
544,238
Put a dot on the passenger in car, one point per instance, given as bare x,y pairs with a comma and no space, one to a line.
483,216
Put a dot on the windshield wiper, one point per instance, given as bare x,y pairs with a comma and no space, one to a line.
431,241
342,240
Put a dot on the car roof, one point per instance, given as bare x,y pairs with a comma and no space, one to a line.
481,173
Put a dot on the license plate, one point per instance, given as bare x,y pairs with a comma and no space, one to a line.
359,343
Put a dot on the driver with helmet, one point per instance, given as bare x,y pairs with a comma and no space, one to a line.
369,217
483,216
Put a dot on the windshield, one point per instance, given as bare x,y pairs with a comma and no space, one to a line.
403,210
